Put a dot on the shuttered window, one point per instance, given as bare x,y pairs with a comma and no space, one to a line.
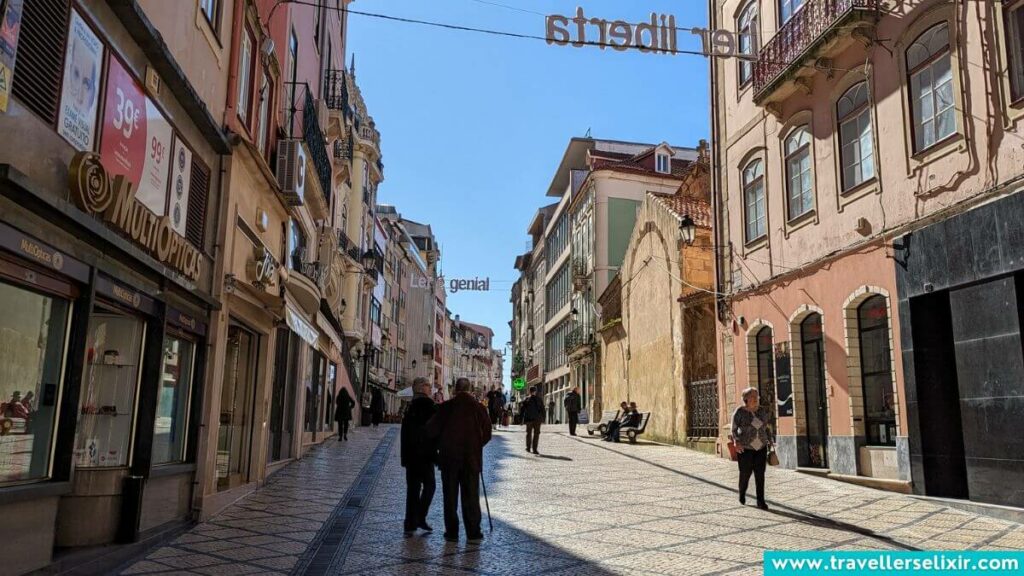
39,66
195,224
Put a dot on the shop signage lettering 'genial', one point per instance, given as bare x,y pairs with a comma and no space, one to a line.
95,192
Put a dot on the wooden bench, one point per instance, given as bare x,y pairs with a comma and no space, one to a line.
602,424
632,432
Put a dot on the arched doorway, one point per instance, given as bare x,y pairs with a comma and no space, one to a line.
766,369
815,402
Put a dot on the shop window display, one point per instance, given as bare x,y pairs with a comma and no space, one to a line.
172,401
236,409
33,338
103,437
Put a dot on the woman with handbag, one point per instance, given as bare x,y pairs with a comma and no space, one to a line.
753,438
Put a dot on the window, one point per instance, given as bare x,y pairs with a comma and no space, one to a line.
753,195
297,245
33,338
375,311
663,163
1014,18
245,61
857,147
798,172
746,25
171,423
766,369
876,372
787,8
931,87
292,71
211,11
195,221
262,129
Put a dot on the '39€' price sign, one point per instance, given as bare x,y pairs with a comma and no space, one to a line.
136,138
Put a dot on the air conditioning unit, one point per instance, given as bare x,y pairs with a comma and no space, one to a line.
291,170
322,112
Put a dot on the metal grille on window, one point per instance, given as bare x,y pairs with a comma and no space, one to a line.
40,68
195,224
702,409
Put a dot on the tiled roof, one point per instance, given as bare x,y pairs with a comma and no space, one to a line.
681,205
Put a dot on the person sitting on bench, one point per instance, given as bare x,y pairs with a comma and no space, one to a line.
628,417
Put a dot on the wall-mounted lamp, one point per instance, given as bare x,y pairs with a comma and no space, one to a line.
688,229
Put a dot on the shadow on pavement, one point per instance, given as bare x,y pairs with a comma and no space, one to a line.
550,457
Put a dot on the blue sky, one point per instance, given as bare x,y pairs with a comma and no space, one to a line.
473,126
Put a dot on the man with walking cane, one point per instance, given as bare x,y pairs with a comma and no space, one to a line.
462,427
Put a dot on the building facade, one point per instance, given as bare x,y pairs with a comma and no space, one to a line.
831,168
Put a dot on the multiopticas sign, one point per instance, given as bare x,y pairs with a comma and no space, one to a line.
660,35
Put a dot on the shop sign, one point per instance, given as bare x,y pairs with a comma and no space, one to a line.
660,35
125,296
262,268
96,192
10,27
83,61
19,243
299,325
518,384
783,380
186,322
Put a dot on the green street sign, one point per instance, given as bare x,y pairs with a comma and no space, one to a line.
518,384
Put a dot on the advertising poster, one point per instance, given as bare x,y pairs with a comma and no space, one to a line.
181,181
136,138
10,27
79,99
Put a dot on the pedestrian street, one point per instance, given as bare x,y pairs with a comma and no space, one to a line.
580,507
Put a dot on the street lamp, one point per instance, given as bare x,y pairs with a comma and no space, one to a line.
688,229
368,259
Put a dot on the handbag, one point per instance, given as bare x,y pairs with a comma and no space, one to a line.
583,417
733,453
773,458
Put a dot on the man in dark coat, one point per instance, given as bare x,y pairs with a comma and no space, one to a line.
462,427
376,407
495,405
573,405
419,455
343,413
532,411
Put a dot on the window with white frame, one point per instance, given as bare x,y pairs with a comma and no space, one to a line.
754,200
856,140
1014,19
787,8
799,181
746,26
245,60
663,163
262,129
931,87
211,11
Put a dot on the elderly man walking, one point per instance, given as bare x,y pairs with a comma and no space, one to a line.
462,427
419,455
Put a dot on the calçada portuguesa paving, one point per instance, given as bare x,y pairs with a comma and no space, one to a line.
581,507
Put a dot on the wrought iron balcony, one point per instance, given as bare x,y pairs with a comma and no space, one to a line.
314,138
336,91
579,340
315,271
815,24
348,246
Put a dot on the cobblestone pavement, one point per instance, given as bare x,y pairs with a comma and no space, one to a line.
581,507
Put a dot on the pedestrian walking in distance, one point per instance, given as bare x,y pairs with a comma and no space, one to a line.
419,456
752,435
573,404
376,407
343,413
532,411
462,428
495,405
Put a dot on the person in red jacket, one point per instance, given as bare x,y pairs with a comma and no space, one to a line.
462,428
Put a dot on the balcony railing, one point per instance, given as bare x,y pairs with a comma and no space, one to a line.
348,246
336,90
314,138
579,338
315,271
800,35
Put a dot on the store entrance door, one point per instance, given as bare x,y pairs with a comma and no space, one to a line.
234,436
282,402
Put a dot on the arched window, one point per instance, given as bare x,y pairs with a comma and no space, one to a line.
798,172
753,195
766,369
931,87
789,7
746,26
856,141
812,344
876,372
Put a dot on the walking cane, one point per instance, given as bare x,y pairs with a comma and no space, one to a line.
486,503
